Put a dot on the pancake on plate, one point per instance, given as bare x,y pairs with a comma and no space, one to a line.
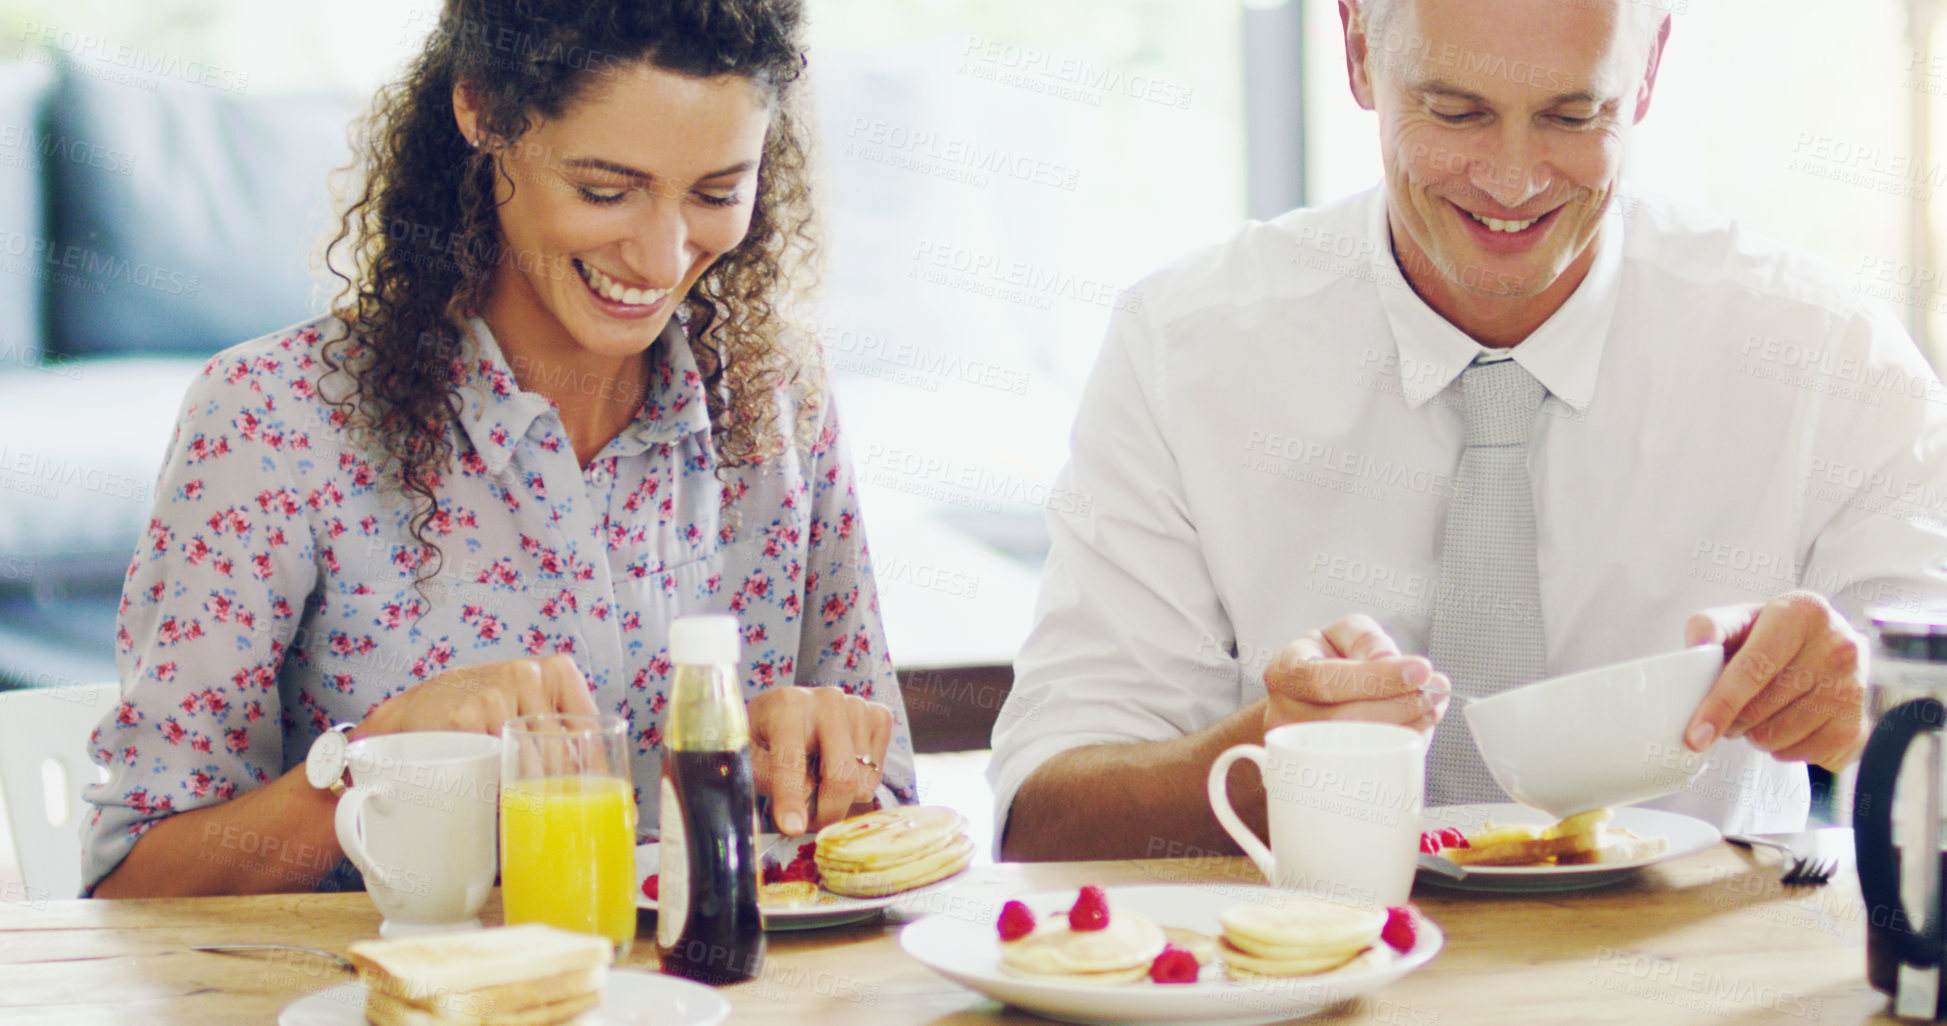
1120,952
1295,936
892,850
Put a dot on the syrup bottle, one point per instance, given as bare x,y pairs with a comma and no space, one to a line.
707,925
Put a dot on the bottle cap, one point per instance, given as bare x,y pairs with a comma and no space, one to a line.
703,641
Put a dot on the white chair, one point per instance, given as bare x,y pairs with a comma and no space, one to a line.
44,765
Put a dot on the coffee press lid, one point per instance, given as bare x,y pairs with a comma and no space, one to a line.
1919,634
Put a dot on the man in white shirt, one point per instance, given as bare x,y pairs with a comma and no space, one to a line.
1277,433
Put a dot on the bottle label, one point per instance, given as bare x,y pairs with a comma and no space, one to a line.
673,853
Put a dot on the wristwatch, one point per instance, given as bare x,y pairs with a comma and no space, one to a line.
324,765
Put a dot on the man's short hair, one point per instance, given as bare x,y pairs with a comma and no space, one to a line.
1647,14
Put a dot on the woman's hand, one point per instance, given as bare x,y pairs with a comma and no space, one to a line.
478,699
790,727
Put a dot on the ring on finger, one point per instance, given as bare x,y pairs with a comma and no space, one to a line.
866,761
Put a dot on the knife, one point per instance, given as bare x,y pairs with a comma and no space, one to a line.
782,850
1441,867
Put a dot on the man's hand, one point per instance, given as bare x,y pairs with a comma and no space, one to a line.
478,699
1795,685
1352,671
788,726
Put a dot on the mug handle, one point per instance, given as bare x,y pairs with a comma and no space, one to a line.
1872,826
1227,816
351,828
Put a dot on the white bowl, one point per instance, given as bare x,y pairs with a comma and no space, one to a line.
1608,736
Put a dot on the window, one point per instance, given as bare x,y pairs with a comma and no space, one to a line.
996,174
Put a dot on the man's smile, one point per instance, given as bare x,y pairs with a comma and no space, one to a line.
1505,234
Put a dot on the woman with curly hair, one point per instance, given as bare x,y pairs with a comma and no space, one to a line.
557,405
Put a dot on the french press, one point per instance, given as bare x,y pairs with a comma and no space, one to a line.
1902,859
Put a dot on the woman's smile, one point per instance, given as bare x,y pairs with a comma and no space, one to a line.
618,300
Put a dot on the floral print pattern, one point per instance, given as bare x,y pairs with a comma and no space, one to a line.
273,592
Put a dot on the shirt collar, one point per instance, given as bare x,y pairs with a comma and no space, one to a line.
496,413
1564,354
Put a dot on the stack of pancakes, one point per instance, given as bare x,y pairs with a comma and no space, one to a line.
1118,953
1295,936
892,850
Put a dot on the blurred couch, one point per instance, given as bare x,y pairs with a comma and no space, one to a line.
144,225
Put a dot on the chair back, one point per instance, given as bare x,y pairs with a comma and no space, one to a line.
44,766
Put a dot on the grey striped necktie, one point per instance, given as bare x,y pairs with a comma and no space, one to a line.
1486,633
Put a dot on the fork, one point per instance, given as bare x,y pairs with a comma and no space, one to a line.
1803,871
1810,873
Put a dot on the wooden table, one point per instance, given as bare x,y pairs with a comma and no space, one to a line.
1711,938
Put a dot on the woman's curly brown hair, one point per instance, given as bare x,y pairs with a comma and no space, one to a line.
423,237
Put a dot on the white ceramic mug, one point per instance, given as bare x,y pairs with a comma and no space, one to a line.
1343,800
420,822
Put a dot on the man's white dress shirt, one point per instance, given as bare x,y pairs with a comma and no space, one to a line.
1268,443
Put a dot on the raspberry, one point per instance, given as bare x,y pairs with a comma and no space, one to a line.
1399,933
1453,838
1016,921
1174,965
796,871
803,867
1091,911
1430,843
651,886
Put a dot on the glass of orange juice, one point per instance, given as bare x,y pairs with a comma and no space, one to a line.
568,825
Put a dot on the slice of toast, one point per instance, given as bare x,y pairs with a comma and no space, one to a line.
1492,833
1620,846
1519,852
497,1001
1526,845
1581,823
386,1010
514,966
786,894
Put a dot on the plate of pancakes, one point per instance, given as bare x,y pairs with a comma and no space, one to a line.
1265,955
866,863
1607,846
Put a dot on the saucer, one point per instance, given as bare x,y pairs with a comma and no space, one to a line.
967,951
1687,836
631,998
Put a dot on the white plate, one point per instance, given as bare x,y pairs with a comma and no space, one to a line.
968,953
828,910
632,998
1687,837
